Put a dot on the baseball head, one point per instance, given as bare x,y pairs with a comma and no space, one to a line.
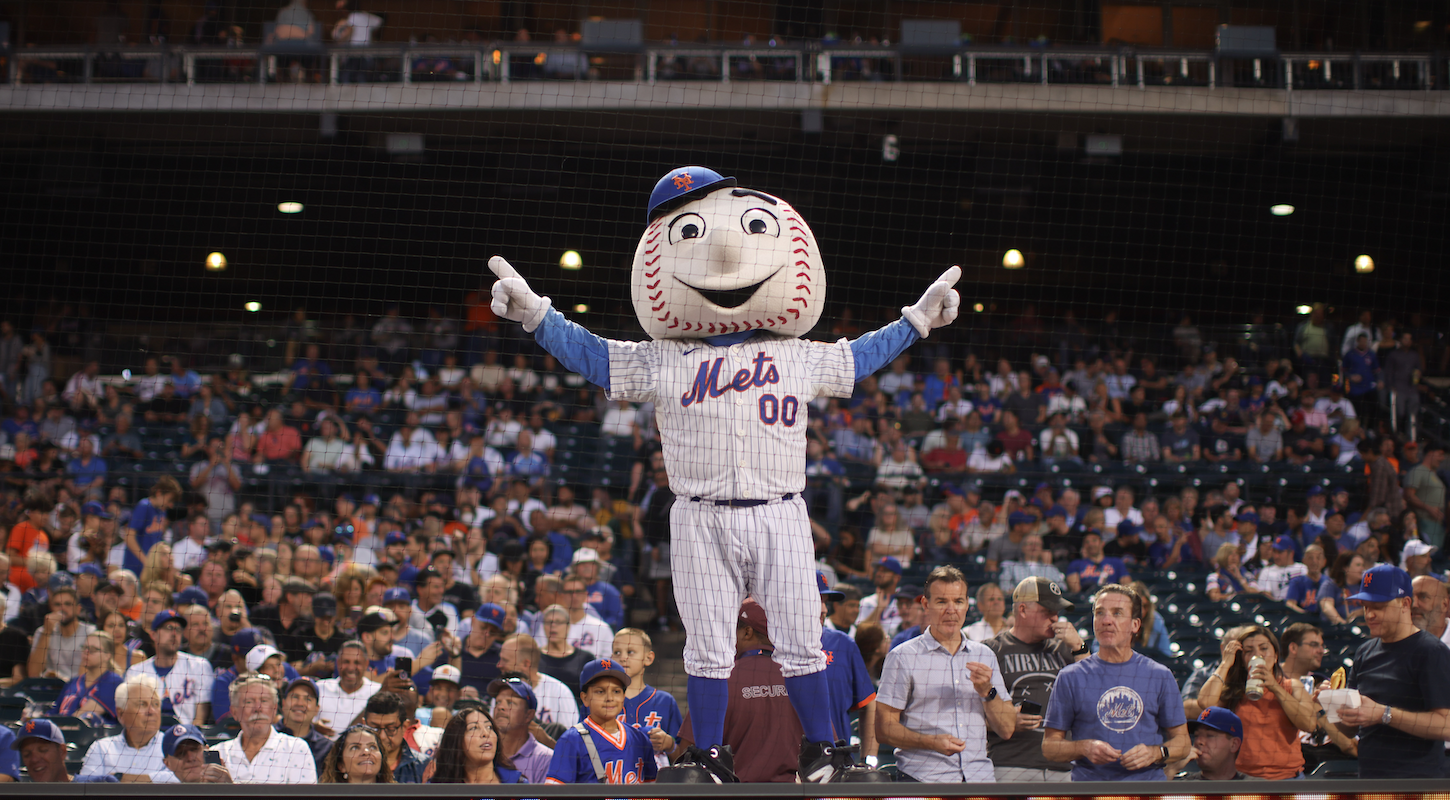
724,260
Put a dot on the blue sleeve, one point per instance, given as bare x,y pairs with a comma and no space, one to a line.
564,766
576,348
673,720
647,760
141,517
614,609
862,689
881,346
221,699
1170,703
1060,705
10,758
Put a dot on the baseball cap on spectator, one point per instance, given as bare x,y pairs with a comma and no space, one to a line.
951,490
889,562
751,616
1127,528
371,500
1218,719
518,686
1247,516
298,586
1334,490
397,594
371,623
328,554
324,605
605,668
1284,543
825,589
91,569
1056,511
1011,493
176,734
1043,592
1314,491
908,591
166,616
258,656
1020,518
303,681
1099,492
448,673
38,729
94,509
1415,547
245,639
492,613
585,555
191,595
1382,584
60,580
396,537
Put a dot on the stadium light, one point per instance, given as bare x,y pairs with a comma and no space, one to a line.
979,308
216,262
253,306
582,308
1301,310
290,208
1013,259
1281,210
571,260
1363,264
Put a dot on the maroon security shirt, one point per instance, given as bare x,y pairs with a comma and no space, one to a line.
761,725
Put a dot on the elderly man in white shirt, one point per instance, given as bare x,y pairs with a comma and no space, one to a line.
134,754
263,754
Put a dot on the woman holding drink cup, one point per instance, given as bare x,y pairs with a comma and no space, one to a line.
1274,708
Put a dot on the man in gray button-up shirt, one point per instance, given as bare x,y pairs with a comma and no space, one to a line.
940,691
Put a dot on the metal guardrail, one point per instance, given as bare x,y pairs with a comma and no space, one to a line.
509,62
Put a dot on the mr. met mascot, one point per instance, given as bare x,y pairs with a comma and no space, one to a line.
725,281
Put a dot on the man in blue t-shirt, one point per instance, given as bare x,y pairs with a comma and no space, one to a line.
1094,569
1403,717
1116,715
850,684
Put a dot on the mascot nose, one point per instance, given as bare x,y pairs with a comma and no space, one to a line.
723,252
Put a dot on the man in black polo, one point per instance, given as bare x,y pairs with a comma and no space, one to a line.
290,620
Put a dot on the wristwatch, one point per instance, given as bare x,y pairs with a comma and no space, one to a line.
1082,651
1385,719
992,695
1164,750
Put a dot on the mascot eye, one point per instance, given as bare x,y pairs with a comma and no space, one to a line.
686,226
758,220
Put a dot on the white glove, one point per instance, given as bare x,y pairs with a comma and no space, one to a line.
936,308
513,299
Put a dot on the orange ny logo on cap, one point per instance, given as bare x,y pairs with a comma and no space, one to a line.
1203,715
684,181
30,726
605,664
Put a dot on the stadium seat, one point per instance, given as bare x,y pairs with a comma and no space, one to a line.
12,708
1342,768
40,690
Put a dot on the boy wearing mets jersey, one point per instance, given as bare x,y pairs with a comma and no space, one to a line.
725,279
622,754
651,710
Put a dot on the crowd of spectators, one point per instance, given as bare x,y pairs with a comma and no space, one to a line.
338,566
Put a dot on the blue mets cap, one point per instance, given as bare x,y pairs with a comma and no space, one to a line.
680,186
165,616
176,734
1219,719
191,595
1382,584
493,614
95,510
90,569
889,562
245,639
825,588
518,686
397,594
38,729
602,668
396,537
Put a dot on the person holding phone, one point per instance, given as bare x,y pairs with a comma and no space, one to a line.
184,752
1031,653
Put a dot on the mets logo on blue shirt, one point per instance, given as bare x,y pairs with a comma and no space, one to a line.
1119,709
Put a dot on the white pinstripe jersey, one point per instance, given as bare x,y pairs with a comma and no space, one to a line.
187,685
732,419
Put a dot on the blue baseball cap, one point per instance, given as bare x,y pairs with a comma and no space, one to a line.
1056,511
396,537
166,616
305,681
177,734
191,595
825,588
397,594
1382,584
1247,516
1314,491
520,687
94,509
493,614
1333,490
91,569
371,500
38,729
680,186
1020,518
1284,543
601,668
889,562
1127,528
245,639
60,580
1219,719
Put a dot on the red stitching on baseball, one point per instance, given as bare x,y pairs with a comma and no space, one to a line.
802,275
656,296
734,327
652,249
800,239
805,287
800,250
805,264
652,286
652,261
772,322
652,274
793,311
800,300
712,327
759,324
674,324
658,307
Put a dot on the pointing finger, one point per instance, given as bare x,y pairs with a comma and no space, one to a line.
502,268
951,276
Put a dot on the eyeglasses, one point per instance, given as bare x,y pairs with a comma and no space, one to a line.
387,729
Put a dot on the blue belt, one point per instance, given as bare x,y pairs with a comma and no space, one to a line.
739,503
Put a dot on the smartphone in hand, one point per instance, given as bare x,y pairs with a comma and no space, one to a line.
1030,708
404,665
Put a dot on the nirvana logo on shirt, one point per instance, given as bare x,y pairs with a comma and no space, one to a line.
1119,709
